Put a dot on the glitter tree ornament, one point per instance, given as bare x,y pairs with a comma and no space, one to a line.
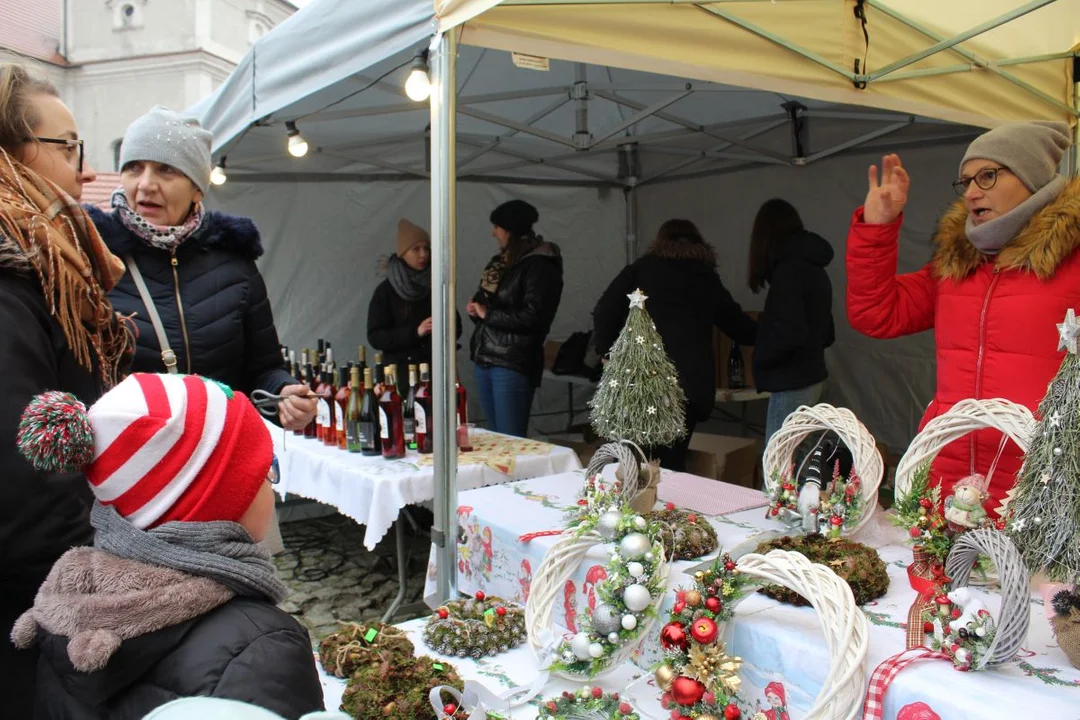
639,397
1043,511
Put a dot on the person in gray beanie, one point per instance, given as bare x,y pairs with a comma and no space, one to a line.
1004,272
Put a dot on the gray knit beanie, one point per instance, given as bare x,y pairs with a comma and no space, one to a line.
166,137
1031,150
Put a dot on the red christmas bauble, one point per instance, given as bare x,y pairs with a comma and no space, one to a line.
679,607
449,708
500,611
443,613
686,691
928,627
926,503
673,635
625,709
915,532
480,595
729,566
732,712
712,604
597,692
703,630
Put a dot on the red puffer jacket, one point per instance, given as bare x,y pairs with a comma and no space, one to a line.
994,319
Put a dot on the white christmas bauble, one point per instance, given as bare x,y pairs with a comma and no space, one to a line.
980,631
629,622
608,525
604,619
636,598
962,655
580,645
635,569
649,557
613,638
639,522
634,546
596,650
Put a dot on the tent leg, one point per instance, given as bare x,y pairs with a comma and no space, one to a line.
443,288
631,224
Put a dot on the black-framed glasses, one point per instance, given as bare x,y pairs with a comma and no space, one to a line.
66,141
985,179
274,476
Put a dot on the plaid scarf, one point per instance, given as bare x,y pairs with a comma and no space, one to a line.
516,249
158,236
74,267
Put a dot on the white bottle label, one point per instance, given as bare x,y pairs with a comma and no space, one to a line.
384,426
421,419
322,414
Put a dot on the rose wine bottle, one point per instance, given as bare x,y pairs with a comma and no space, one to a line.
422,412
391,418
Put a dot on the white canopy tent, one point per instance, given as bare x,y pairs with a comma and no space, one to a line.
595,122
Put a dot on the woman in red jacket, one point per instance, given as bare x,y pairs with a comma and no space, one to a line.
1004,271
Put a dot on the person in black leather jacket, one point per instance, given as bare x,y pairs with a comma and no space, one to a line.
199,266
797,324
513,309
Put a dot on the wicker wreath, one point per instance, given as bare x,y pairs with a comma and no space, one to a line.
799,425
1015,614
966,416
845,626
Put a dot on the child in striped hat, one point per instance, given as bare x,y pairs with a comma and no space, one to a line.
176,598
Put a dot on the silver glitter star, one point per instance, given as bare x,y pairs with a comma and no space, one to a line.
1068,332
1055,419
638,298
613,383
1045,478
651,410
640,339
1019,524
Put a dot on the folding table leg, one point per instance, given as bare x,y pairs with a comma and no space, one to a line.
399,540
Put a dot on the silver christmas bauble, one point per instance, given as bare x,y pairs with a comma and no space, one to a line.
613,638
608,525
639,522
635,569
1057,452
634,546
629,622
596,650
580,646
636,598
649,557
604,619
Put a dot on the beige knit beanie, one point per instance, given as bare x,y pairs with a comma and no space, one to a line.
409,236
1031,150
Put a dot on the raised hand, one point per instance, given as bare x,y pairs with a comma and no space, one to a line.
885,200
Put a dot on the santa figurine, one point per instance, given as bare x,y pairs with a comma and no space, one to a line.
777,699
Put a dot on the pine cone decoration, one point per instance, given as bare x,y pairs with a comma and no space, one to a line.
857,564
475,628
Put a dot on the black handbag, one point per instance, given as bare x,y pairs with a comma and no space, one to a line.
570,360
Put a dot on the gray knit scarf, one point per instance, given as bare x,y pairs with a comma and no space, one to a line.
993,235
410,285
221,551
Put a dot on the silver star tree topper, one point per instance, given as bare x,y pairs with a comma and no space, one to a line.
638,298
1068,332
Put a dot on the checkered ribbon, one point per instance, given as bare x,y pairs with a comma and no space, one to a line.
542,533
874,707
926,576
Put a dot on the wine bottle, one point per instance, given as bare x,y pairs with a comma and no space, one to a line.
313,384
369,417
330,433
285,357
322,408
362,353
353,440
408,410
341,399
322,351
462,405
391,421
380,375
736,375
422,412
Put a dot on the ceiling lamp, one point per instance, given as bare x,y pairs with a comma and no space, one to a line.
418,86
217,175
298,146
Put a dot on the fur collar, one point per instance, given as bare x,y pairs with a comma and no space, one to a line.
219,232
1044,243
13,257
702,252
98,600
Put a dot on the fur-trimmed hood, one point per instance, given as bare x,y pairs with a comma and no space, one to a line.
219,232
679,250
13,257
1044,243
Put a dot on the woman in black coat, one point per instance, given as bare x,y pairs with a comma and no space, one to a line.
399,315
513,309
686,299
796,325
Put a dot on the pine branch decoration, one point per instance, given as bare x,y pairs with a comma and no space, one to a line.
639,397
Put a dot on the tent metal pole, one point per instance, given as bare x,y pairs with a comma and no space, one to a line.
443,59
631,224
873,134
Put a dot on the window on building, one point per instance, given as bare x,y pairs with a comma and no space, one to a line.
116,153
127,14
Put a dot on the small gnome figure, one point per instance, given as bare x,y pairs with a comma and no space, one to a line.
964,508
1066,623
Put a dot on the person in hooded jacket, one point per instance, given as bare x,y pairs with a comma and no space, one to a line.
399,314
797,324
176,598
685,300
57,330
198,265
513,309
1005,271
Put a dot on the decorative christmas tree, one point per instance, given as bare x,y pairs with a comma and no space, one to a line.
639,397
1044,509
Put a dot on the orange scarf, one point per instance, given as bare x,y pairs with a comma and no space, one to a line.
74,267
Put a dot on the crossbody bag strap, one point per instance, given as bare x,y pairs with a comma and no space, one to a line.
167,355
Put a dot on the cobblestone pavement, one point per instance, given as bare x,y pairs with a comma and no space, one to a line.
332,578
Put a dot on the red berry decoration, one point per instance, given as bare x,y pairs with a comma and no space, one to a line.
673,635
928,627
703,630
914,532
732,712
925,502
597,693
712,604
836,520
729,565
691,518
670,506
500,611
443,613
686,691
480,595
449,709
625,709
552,706
583,502
956,613
678,607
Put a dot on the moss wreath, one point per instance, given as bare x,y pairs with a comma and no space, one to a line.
858,565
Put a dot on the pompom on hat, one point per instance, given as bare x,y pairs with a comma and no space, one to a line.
157,448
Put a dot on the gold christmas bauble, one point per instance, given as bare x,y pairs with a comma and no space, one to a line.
693,598
665,676
706,716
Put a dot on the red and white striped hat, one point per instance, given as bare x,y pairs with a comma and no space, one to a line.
165,447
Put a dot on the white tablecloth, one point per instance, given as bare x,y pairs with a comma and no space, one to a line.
372,491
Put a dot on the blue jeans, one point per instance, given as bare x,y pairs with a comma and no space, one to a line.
506,396
785,402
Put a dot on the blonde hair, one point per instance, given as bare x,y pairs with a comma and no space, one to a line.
18,83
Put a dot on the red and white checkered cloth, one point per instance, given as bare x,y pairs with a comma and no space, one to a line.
874,707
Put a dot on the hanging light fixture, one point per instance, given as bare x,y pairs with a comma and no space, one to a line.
217,175
297,144
418,86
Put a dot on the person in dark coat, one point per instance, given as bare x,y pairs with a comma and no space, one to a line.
199,266
686,299
797,324
176,598
513,309
57,331
399,315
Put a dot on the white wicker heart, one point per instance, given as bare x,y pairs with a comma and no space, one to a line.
966,416
843,623
806,420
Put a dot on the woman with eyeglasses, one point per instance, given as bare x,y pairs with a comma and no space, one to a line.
58,331
1004,272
